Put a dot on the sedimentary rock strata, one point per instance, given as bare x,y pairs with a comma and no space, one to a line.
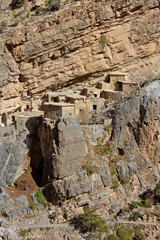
42,54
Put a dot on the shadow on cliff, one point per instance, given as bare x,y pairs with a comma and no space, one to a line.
35,154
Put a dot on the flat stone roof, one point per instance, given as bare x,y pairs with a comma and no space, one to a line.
117,73
127,82
55,94
29,113
59,104
108,90
75,96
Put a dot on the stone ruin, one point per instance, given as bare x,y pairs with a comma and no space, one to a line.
82,104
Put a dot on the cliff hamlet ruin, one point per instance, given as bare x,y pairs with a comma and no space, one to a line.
79,119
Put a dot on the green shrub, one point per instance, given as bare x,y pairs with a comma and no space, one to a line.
115,182
3,24
113,237
104,150
28,15
24,232
5,134
98,146
103,41
92,224
139,204
33,206
138,235
41,198
19,3
15,15
112,169
126,180
101,148
53,4
81,123
39,9
90,169
16,22
79,179
158,189
124,233
134,216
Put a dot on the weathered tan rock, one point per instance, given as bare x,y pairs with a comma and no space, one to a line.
45,54
63,148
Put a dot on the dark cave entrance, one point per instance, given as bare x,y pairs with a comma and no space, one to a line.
35,153
36,159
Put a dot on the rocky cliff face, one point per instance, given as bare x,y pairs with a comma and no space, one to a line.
100,167
63,148
13,155
136,129
48,51
135,156
136,137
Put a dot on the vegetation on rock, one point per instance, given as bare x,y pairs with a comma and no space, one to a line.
41,198
134,216
90,169
115,182
19,3
53,4
126,180
25,231
158,190
124,233
16,22
33,206
3,24
112,168
92,224
103,41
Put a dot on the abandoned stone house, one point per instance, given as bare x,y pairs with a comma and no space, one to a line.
55,110
29,104
117,81
69,104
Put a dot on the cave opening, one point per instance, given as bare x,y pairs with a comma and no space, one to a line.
35,153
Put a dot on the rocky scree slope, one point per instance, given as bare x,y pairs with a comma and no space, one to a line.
89,40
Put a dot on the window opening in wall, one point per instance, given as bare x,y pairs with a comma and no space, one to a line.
27,107
94,107
95,94
56,99
118,86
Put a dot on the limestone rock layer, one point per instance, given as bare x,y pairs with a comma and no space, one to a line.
43,53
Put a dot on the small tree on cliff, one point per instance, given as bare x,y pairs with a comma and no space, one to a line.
53,4
92,224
